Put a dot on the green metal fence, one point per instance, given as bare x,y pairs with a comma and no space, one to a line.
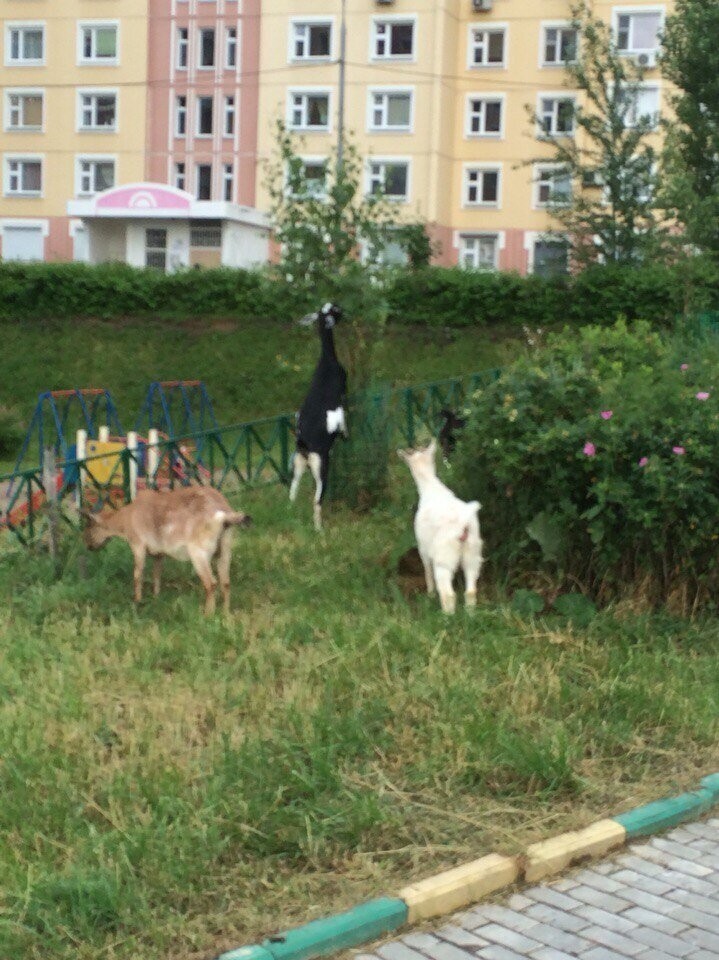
245,454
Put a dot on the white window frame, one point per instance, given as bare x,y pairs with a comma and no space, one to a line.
389,161
10,158
546,25
315,21
315,158
532,237
98,92
554,95
496,235
94,61
180,110
389,20
537,170
232,43
182,46
648,85
22,92
502,28
196,191
13,25
309,92
388,92
628,10
200,31
483,134
228,176
92,158
198,115
229,110
471,167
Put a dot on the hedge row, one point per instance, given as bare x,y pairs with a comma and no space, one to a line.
431,296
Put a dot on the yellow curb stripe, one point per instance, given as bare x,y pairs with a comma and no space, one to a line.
459,887
552,856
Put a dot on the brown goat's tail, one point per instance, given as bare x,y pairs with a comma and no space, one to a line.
236,519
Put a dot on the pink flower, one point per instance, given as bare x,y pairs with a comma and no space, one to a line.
644,461
702,395
589,449
684,366
607,414
680,451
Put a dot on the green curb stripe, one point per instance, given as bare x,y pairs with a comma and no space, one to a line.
665,813
711,783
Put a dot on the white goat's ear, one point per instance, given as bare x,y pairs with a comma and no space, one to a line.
432,448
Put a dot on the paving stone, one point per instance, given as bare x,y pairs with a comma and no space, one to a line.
630,878
398,951
657,904
641,864
672,946
702,955
460,937
591,879
604,867
549,953
508,938
597,898
448,951
681,850
421,941
557,918
518,901
601,953
601,918
695,918
495,952
553,897
559,939
681,865
615,941
702,938
697,884
513,919
696,902
564,885
647,918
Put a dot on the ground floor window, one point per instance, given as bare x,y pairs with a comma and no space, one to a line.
156,248
551,257
479,251
23,243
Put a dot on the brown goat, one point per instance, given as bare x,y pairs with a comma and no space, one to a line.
188,523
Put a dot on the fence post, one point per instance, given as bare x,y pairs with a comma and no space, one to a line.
132,462
49,472
80,454
152,464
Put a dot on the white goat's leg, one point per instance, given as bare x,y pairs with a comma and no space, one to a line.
223,567
447,598
298,468
139,553
316,467
471,567
428,575
156,575
201,563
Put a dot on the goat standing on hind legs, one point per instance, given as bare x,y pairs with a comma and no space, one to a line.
322,415
447,531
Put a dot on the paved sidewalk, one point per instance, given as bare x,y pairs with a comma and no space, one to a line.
656,901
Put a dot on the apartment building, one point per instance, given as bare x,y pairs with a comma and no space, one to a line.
439,98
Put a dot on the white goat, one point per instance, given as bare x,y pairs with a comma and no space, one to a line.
447,531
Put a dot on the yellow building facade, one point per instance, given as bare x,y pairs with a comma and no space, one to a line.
440,99
74,101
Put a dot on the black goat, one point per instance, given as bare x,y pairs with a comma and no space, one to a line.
322,414
447,438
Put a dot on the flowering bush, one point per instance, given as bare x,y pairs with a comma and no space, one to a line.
597,459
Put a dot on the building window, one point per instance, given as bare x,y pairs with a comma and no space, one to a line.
640,105
23,177
183,45
98,111
229,118
390,178
391,110
206,234
479,251
25,45
309,111
311,41
204,116
556,116
311,179
559,46
94,175
98,43
156,249
204,181
638,31
23,111
550,257
484,116
487,46
228,181
552,186
207,47
231,48
393,39
481,186
180,176
180,116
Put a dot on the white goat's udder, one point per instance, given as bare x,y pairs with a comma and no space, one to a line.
335,420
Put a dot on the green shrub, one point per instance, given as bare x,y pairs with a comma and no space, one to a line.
11,433
595,460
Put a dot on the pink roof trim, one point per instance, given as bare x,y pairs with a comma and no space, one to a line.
143,196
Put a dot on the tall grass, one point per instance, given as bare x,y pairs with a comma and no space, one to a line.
173,786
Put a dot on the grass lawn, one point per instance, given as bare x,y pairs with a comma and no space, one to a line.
173,786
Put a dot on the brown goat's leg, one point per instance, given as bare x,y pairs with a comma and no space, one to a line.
139,554
223,568
156,575
203,569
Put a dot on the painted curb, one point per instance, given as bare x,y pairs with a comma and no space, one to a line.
466,884
455,888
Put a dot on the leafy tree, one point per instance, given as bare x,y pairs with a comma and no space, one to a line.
603,197
691,156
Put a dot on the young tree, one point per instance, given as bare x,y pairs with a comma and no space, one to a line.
690,61
602,195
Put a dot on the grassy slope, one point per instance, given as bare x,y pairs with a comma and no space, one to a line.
172,787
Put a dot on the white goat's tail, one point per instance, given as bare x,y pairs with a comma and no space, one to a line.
233,519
